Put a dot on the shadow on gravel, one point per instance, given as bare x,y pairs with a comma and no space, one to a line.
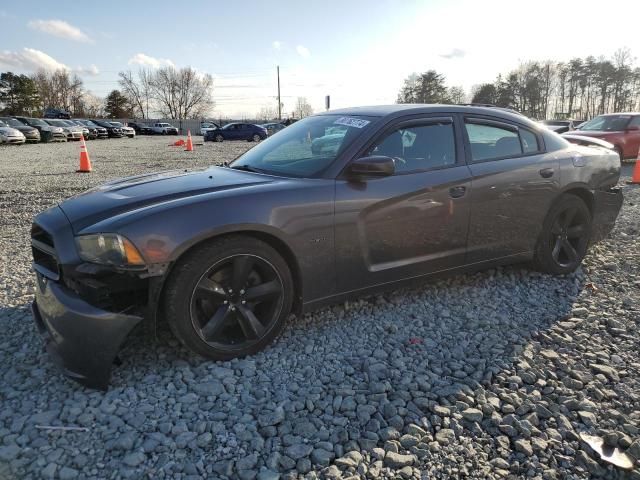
347,378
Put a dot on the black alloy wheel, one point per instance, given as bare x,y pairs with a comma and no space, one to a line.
565,236
229,297
219,138
236,302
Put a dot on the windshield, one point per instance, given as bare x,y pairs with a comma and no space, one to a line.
57,123
305,148
614,123
37,121
556,122
2,124
12,122
116,124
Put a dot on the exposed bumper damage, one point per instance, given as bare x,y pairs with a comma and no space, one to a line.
82,340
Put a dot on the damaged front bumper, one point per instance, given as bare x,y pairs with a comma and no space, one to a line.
81,339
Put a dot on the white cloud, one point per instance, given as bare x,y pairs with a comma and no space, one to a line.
91,70
453,53
30,60
303,51
60,28
148,61
276,44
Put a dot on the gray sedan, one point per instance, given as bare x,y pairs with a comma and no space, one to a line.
224,255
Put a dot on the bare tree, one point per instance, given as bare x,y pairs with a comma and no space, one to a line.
267,113
302,108
182,93
138,91
59,89
457,94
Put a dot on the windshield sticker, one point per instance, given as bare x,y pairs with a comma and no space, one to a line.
352,122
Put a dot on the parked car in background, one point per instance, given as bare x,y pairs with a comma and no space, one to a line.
273,127
140,128
88,132
161,128
620,129
73,132
236,131
48,133
561,126
206,126
83,128
224,255
31,134
112,130
9,135
56,113
101,132
127,131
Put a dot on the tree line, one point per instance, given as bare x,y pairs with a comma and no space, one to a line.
580,88
168,91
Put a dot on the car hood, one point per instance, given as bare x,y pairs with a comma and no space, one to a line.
133,193
25,128
596,133
11,131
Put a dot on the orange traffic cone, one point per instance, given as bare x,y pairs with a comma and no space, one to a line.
635,178
178,143
189,142
85,163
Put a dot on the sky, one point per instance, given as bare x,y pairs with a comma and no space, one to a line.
357,51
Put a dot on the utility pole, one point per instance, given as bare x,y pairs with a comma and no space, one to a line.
279,103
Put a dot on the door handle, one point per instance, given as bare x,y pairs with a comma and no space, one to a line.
457,192
546,172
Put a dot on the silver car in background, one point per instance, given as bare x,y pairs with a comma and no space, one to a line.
10,135
73,132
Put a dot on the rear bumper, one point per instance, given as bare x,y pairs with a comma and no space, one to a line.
606,207
81,339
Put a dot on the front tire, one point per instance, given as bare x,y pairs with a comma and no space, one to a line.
219,138
229,298
256,138
565,236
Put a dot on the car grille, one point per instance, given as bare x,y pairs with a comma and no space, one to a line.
44,254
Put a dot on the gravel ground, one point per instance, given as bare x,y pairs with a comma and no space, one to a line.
492,375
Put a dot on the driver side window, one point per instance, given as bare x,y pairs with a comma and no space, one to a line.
418,147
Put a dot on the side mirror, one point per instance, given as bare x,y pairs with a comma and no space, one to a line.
633,128
373,166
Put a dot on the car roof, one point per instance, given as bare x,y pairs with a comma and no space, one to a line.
618,114
397,110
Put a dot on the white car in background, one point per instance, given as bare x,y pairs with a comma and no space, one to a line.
206,126
10,135
127,131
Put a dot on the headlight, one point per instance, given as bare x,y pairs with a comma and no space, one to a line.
108,249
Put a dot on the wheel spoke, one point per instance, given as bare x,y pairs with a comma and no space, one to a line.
242,266
263,291
216,322
251,326
571,253
556,249
211,289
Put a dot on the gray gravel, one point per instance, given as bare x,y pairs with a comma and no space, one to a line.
491,375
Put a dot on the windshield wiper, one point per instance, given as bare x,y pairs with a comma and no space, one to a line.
246,168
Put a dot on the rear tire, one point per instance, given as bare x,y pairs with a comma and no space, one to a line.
229,297
565,236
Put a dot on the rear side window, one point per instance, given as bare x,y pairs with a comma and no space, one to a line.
489,141
529,141
635,122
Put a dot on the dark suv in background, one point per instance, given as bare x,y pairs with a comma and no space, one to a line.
56,113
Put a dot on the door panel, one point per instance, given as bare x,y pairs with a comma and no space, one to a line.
509,201
401,226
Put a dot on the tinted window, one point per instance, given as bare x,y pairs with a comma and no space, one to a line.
489,141
607,123
635,122
419,147
529,141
